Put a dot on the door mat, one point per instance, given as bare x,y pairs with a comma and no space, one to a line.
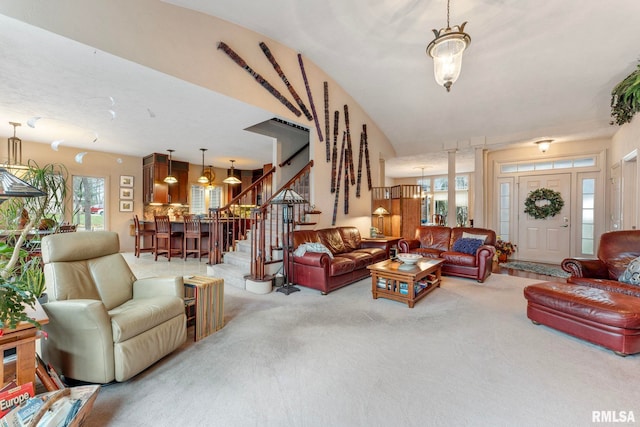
536,268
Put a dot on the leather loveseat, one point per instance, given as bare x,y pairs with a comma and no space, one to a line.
104,324
347,262
593,305
436,241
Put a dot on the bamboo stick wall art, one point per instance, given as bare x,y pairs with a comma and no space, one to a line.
292,91
335,203
326,119
313,107
265,84
346,181
349,150
360,153
334,158
366,156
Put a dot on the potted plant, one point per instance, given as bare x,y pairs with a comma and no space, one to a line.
22,280
504,250
31,279
625,98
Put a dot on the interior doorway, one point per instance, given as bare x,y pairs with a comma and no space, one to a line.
630,191
548,239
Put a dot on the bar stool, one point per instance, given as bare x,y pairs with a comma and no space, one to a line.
140,234
193,231
164,233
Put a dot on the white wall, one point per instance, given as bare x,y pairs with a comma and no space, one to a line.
183,43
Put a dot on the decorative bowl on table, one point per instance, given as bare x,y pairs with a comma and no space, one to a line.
409,258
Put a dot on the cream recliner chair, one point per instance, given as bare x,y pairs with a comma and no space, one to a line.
104,324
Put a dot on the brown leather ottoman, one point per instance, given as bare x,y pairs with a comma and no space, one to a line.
602,317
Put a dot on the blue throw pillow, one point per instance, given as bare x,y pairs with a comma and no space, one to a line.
467,246
632,274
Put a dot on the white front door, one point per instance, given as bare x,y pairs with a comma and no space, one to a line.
548,239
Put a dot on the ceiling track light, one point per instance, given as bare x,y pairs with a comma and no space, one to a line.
170,179
231,178
446,50
203,178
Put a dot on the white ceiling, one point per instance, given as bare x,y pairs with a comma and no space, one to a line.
534,69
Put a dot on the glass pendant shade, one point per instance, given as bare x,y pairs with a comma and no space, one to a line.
12,186
203,179
170,179
446,50
544,145
231,179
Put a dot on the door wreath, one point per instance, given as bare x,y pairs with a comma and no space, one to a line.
543,210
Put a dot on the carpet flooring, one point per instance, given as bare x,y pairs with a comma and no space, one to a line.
466,355
532,267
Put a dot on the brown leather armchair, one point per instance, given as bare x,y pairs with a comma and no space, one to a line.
593,305
616,250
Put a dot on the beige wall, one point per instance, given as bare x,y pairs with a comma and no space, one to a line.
166,37
625,142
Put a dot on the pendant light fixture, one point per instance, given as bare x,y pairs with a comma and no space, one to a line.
14,147
170,179
231,178
203,178
446,50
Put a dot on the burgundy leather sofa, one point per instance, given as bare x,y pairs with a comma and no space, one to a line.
351,256
593,305
436,241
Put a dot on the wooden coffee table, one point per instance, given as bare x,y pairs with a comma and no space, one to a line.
405,282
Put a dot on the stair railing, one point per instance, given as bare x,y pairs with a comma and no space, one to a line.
232,221
267,225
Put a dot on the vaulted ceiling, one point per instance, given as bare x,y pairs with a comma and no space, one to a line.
533,70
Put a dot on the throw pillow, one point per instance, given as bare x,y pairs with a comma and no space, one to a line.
312,247
467,246
632,274
466,235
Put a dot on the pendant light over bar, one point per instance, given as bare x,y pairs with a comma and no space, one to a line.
231,178
203,179
170,179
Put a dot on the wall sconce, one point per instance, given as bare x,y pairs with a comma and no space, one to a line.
544,144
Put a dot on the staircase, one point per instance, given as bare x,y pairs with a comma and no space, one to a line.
254,258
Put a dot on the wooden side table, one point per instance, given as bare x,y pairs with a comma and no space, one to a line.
208,304
23,339
385,243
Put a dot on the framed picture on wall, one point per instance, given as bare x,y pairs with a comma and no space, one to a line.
126,205
126,193
126,181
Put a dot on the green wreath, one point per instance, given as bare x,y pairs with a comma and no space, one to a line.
546,210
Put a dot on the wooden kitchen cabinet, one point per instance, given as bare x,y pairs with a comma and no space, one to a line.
155,168
179,192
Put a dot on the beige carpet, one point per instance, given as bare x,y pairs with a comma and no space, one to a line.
464,356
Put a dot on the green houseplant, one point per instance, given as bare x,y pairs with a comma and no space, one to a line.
22,279
625,98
